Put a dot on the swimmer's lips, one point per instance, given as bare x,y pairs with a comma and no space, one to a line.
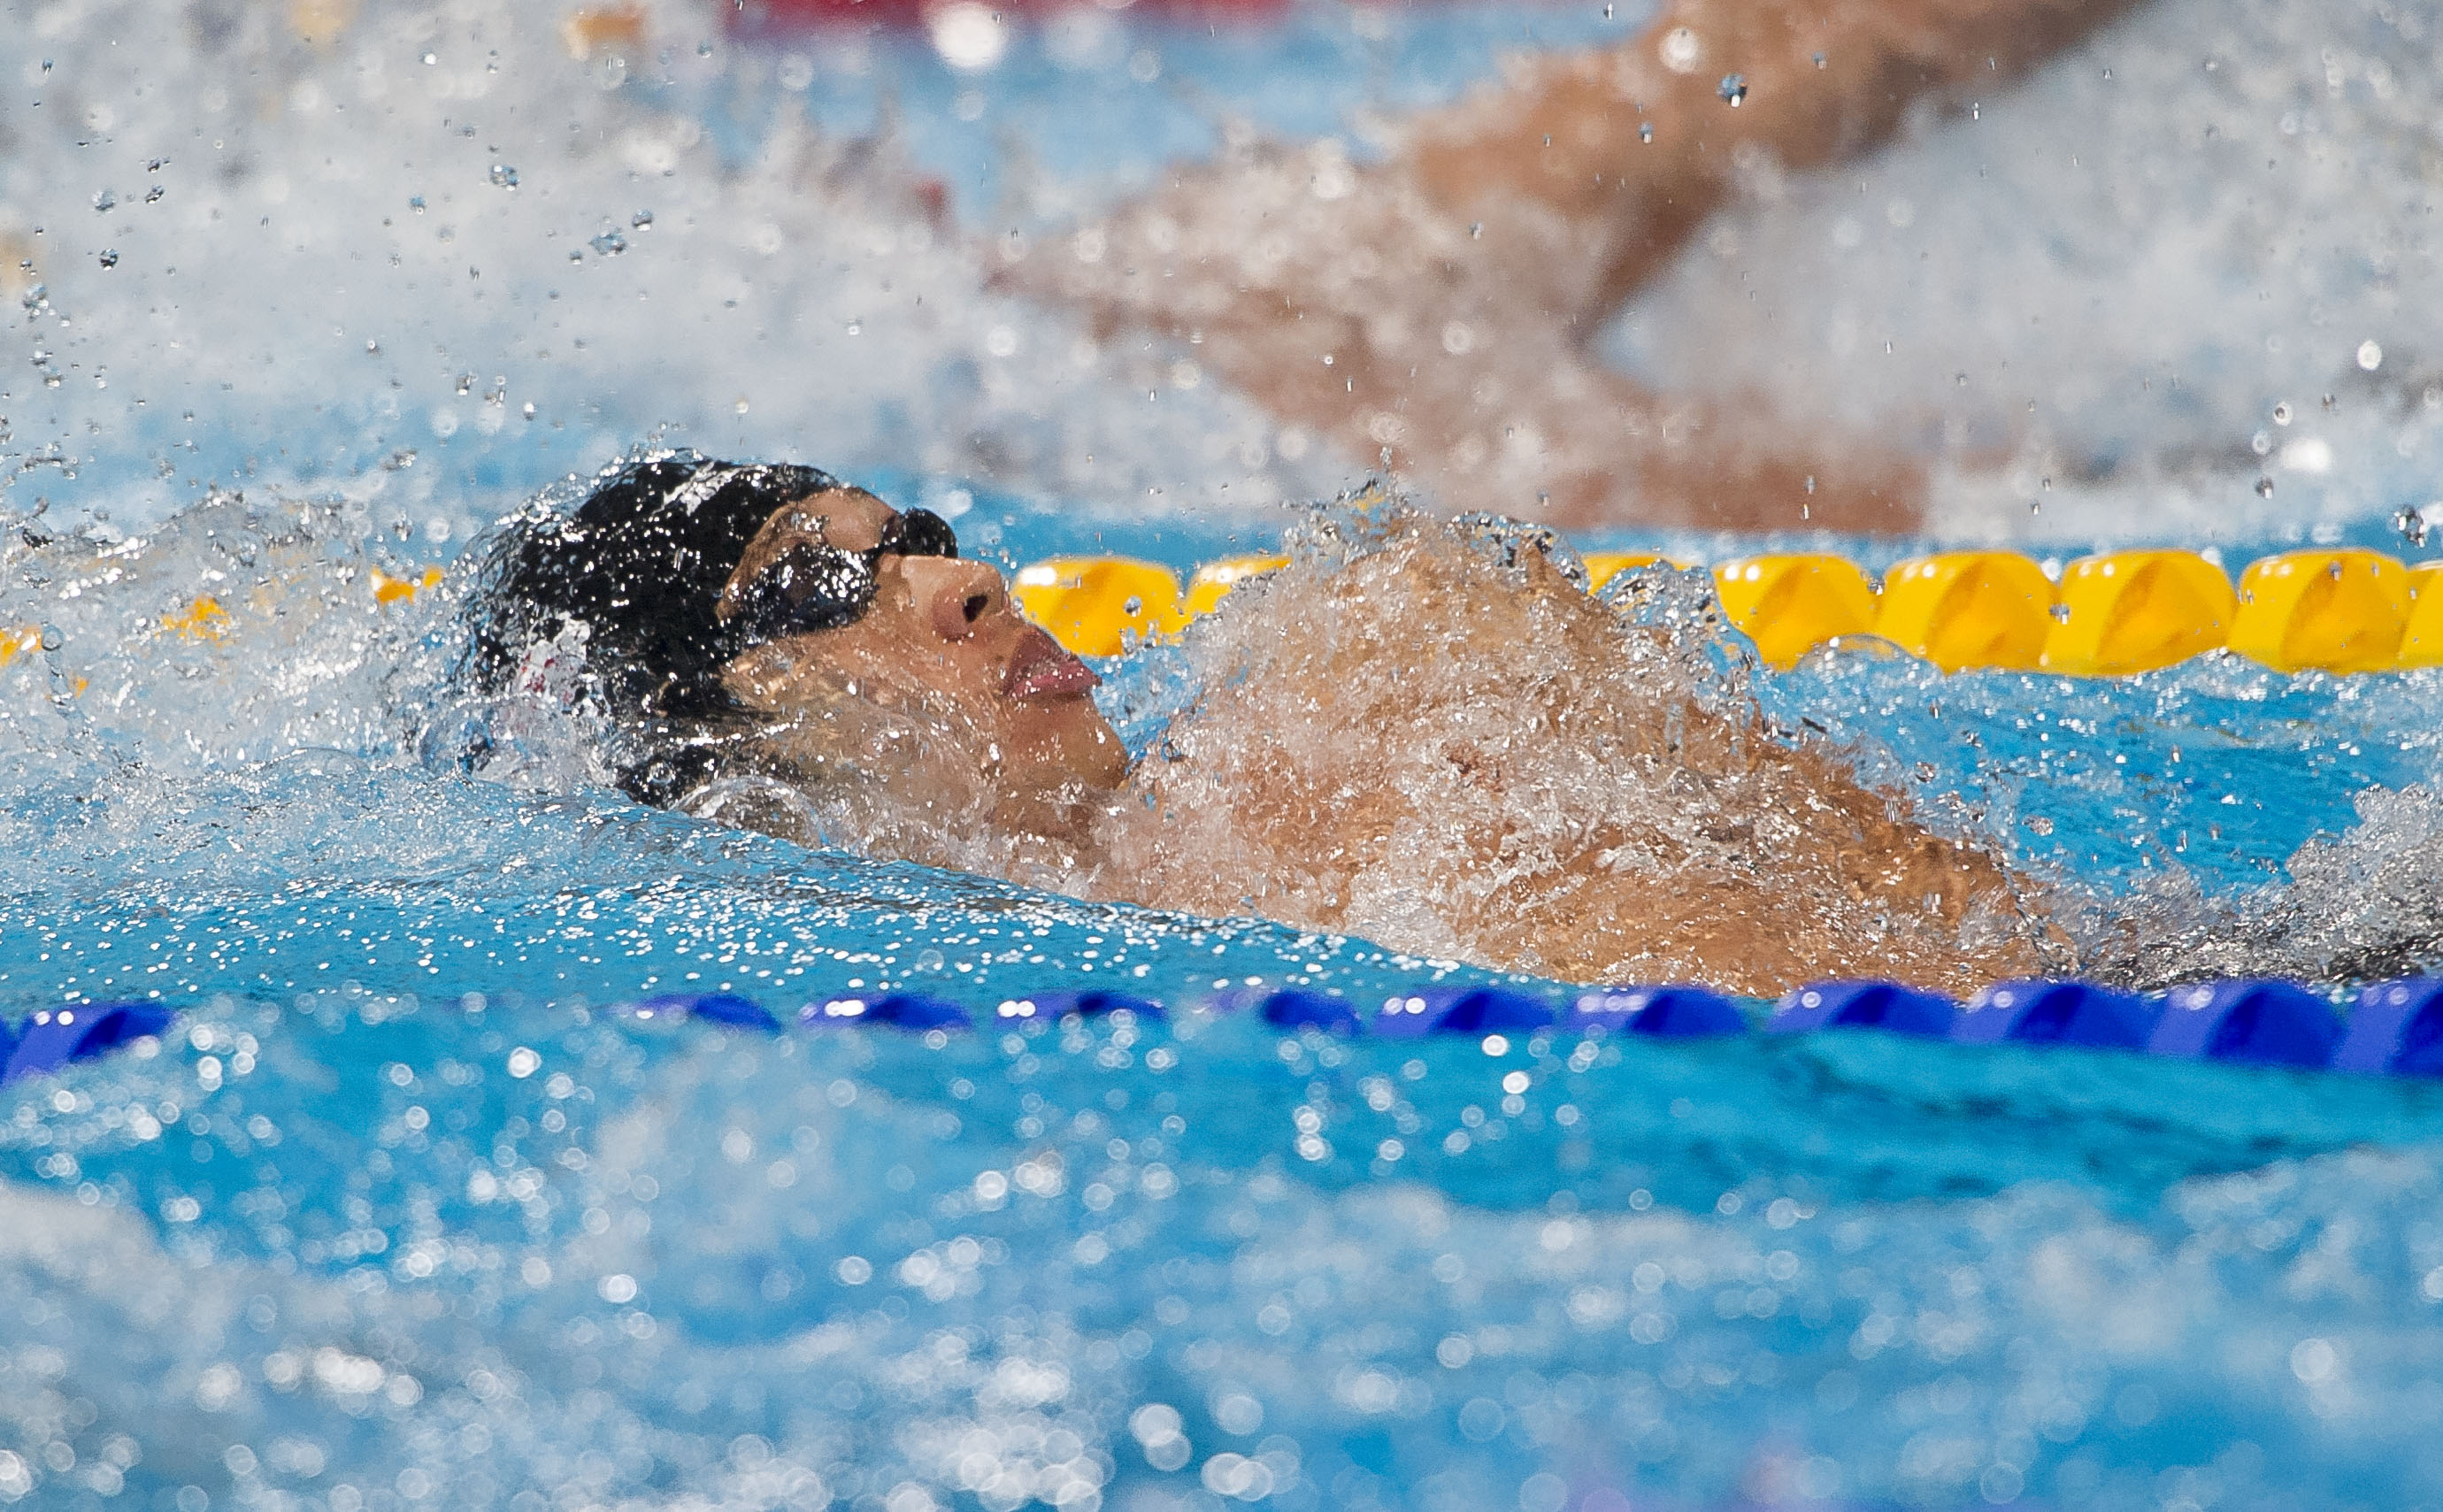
1039,669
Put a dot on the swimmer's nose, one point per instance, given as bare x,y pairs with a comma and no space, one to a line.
959,596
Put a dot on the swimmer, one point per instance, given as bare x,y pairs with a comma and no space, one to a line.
751,635
1435,312
1429,737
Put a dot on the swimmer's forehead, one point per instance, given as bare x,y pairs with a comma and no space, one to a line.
851,519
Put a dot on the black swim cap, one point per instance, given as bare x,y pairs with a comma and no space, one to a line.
641,564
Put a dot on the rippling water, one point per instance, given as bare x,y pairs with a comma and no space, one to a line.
404,1216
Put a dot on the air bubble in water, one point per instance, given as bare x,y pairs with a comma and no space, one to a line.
1645,131
2265,487
2370,356
1733,90
2282,413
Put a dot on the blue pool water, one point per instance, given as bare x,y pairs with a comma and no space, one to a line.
402,1215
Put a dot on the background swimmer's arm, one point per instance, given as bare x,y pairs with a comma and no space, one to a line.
1439,312
1633,148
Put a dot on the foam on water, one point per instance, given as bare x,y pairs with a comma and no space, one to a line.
357,1254
441,283
401,1217
2190,253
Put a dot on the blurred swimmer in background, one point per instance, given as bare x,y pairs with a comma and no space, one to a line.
1423,733
1436,311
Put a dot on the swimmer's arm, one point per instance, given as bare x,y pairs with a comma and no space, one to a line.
1636,146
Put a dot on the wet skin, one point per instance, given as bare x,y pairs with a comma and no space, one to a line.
1751,865
941,637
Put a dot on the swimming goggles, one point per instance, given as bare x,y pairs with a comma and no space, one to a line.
812,587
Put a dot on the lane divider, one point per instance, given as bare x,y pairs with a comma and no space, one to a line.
2338,609
2392,1028
2114,614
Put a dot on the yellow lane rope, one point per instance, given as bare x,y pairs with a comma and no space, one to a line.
2335,609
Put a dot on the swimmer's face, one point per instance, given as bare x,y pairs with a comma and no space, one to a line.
940,642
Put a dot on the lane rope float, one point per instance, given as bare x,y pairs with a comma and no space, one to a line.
2393,1029
2111,615
2341,610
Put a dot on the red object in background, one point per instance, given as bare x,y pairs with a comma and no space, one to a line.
800,14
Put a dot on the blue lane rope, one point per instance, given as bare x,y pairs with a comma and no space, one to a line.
2393,1029
74,1031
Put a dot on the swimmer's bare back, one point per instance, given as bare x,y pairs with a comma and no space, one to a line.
1437,309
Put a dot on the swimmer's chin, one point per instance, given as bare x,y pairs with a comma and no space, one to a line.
1040,671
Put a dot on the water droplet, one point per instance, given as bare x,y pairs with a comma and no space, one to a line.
431,58
642,220
1645,131
1819,60
415,203
2265,487
465,382
2413,523
110,258
2370,356
1733,90
704,49
103,200
2282,413
610,244
504,175
1133,606
153,194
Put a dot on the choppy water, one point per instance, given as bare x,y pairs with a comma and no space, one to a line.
403,1218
